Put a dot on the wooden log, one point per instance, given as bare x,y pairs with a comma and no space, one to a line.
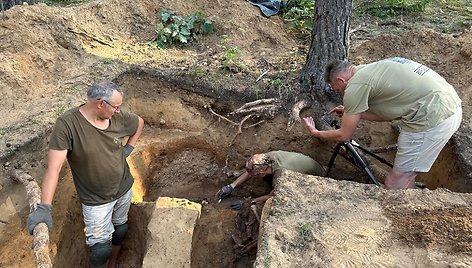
40,233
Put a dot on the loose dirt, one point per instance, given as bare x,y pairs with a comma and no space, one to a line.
50,55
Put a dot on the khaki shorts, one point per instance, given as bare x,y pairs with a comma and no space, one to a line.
417,151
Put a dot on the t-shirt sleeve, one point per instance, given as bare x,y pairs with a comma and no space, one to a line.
356,99
60,138
130,123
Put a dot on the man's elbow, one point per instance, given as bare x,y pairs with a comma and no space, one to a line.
344,137
140,122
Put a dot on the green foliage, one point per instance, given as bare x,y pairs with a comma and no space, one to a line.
230,59
197,71
257,91
390,8
304,235
175,29
108,61
230,55
299,15
60,110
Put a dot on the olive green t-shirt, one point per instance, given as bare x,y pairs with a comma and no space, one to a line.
96,157
399,88
295,162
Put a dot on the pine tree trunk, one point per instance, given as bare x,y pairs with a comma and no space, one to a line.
330,40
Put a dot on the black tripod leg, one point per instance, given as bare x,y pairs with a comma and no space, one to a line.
333,157
361,162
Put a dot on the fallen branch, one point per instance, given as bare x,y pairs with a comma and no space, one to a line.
91,37
40,233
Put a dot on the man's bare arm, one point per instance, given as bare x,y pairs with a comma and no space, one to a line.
51,176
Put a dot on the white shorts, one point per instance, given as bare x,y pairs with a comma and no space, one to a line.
99,220
417,151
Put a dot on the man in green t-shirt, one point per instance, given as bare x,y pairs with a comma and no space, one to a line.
91,137
272,163
428,108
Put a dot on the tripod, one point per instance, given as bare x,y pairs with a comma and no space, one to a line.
356,159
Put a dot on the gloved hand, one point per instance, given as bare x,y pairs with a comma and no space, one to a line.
128,148
42,213
236,204
224,192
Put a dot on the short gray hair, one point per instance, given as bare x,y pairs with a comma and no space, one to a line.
334,68
102,90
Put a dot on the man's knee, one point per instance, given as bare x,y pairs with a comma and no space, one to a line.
99,254
119,233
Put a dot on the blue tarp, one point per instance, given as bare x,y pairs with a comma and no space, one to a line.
268,7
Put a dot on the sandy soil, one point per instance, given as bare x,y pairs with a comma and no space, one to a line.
49,55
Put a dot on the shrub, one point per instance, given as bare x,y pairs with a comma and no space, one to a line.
175,29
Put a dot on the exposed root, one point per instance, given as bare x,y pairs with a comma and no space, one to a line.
40,233
262,107
240,127
294,115
91,37
256,109
220,116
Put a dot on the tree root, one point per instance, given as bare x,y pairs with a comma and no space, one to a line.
91,37
294,116
256,109
40,233
262,107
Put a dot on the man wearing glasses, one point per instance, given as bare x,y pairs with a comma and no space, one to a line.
272,163
91,137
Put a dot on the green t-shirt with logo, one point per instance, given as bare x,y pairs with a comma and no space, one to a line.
96,157
399,88
295,162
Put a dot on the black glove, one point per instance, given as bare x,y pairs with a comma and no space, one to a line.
127,149
41,213
224,192
236,204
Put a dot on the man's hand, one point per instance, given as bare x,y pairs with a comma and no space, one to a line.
337,111
310,124
128,148
224,192
42,213
236,205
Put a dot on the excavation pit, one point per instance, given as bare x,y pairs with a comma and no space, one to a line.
186,152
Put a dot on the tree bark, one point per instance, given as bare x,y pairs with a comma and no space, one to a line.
40,232
330,40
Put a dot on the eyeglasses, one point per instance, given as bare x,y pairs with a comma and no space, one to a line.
115,108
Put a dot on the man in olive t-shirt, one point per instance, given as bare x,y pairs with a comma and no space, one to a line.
272,163
428,108
91,137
